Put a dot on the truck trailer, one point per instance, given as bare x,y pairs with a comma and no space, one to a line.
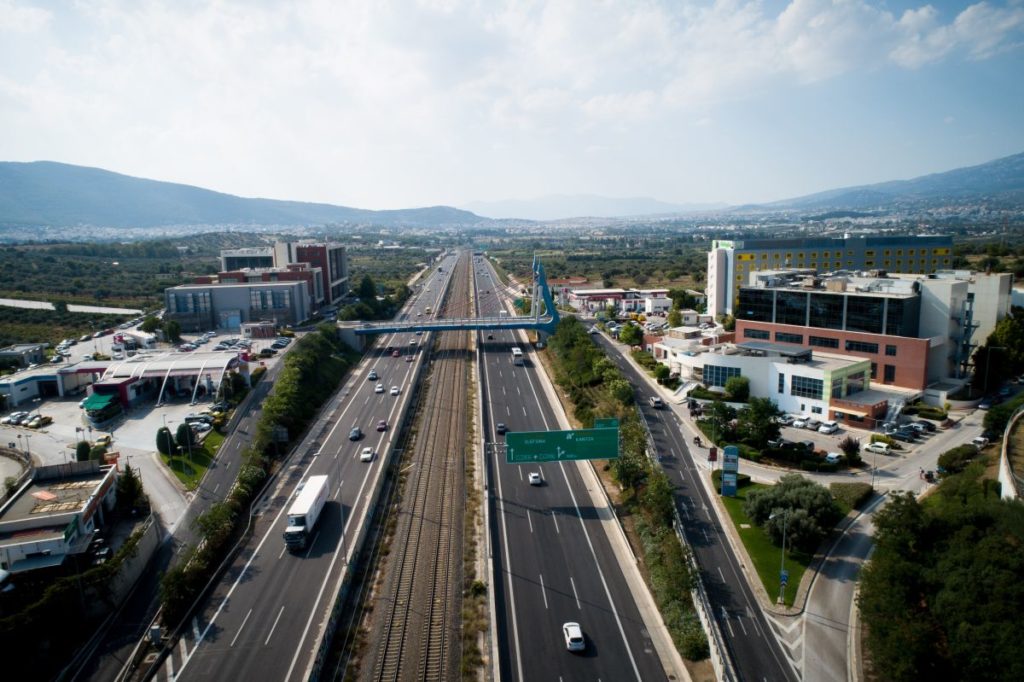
304,512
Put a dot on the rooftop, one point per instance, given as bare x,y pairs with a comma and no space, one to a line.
54,497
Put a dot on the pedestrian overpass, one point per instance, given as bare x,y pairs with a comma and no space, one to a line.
546,322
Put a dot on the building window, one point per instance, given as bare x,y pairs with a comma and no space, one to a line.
782,383
874,370
861,347
837,388
865,314
715,375
749,333
756,305
890,350
805,387
826,311
791,308
815,409
823,341
786,337
890,374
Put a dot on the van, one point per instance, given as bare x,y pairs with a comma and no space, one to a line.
828,427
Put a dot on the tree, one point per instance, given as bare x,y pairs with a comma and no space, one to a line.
129,489
675,318
82,451
621,390
658,500
738,388
757,421
662,372
150,324
631,335
809,509
367,291
186,437
720,414
172,330
851,448
165,444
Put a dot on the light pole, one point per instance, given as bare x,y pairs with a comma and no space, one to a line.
26,436
783,575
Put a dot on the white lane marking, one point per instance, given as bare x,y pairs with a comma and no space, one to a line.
575,594
337,492
195,628
278,556
184,651
742,626
240,628
274,626
721,573
170,667
554,517
529,519
524,410
216,488
707,538
543,592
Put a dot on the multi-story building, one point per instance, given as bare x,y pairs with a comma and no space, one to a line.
623,300
730,263
197,307
914,330
329,259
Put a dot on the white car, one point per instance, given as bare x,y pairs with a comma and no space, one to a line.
880,448
828,427
979,441
366,455
534,478
833,457
379,388
800,423
395,390
573,637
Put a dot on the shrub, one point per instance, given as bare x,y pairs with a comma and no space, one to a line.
850,494
809,511
956,460
742,480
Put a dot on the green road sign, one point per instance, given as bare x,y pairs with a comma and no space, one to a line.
554,446
609,423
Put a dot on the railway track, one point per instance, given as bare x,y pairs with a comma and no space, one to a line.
416,631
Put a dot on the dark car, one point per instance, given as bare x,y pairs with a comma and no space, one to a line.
926,425
501,428
382,425
355,434
395,354
902,436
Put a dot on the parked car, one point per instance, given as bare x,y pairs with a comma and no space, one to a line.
104,440
880,448
778,443
828,427
834,457
926,425
813,424
201,427
809,445
902,436
39,421
784,419
800,423
979,441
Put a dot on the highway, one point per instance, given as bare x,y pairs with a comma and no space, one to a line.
263,619
752,645
552,559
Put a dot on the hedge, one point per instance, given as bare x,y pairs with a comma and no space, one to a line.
851,495
742,480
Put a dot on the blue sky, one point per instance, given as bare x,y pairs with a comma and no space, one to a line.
396,104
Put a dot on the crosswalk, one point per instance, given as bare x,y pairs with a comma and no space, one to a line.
179,653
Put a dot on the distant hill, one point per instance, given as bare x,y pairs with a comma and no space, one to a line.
559,207
45,193
1001,181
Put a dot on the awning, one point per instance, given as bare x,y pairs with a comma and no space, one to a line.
847,410
97,401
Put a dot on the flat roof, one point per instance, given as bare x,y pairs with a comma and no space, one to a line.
783,349
174,363
53,496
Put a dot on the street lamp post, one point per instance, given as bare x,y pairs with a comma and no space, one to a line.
783,576
26,436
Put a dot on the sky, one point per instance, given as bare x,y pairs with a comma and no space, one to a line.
384,104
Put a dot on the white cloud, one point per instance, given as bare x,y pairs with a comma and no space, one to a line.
376,103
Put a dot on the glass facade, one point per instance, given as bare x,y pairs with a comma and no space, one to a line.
762,334
786,337
756,305
865,314
901,316
805,387
791,308
826,311
715,375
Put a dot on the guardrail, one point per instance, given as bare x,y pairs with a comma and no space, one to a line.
1011,485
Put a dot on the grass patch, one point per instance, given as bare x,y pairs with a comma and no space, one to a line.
762,552
190,468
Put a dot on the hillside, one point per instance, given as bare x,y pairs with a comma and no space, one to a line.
45,193
1000,181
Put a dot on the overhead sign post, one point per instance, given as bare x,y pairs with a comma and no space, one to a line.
559,446
730,470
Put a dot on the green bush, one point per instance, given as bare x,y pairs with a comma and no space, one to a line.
742,480
956,460
819,465
851,495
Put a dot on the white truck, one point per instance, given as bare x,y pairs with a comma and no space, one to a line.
304,512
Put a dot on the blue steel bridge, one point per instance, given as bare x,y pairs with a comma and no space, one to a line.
543,321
